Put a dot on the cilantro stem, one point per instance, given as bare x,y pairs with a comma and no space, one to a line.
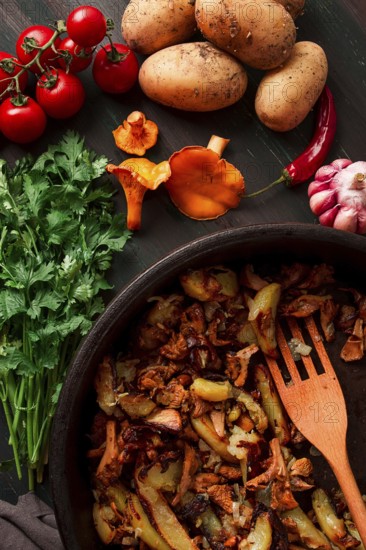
30,415
43,444
36,418
31,484
18,401
31,234
13,438
11,390
49,293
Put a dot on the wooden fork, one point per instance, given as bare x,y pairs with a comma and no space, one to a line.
317,408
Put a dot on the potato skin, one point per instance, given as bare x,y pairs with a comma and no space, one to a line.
259,33
196,76
286,95
294,7
151,25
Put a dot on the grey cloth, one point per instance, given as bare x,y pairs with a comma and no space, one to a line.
28,525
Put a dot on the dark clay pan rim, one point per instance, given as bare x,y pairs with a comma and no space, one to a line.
71,497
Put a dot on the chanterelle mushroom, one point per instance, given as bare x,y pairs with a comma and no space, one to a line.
110,466
202,185
136,134
353,349
277,477
137,175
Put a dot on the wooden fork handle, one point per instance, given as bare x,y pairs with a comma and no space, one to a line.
357,506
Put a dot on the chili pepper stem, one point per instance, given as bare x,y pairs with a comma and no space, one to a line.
281,179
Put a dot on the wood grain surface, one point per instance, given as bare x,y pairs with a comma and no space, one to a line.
337,25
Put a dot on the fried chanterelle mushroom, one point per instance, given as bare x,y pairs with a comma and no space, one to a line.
191,447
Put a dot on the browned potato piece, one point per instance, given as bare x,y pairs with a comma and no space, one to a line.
287,94
163,517
136,406
165,479
211,391
215,283
306,530
127,503
272,404
204,428
196,76
151,25
260,536
294,7
331,525
101,514
261,34
262,315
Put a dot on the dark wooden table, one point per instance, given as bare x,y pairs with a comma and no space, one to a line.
339,26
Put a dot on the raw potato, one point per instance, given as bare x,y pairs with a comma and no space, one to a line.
151,25
294,7
195,76
286,95
259,33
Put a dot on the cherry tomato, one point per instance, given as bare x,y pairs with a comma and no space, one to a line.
86,25
115,69
76,58
60,94
38,35
22,123
9,70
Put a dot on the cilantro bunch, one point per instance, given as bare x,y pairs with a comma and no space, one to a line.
58,233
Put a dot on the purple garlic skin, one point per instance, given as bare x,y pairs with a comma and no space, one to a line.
338,195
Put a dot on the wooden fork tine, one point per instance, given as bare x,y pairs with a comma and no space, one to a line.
296,333
287,355
276,374
318,344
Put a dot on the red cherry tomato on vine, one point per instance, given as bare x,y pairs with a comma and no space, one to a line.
75,58
29,40
60,94
86,25
22,123
115,69
8,70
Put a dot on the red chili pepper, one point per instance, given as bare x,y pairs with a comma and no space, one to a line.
311,159
305,165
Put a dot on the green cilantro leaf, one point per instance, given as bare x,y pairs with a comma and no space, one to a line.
58,235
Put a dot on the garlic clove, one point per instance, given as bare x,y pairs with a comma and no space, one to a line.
339,164
326,173
317,186
322,201
346,220
361,226
328,217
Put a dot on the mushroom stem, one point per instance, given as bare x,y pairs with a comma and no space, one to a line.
217,144
136,120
